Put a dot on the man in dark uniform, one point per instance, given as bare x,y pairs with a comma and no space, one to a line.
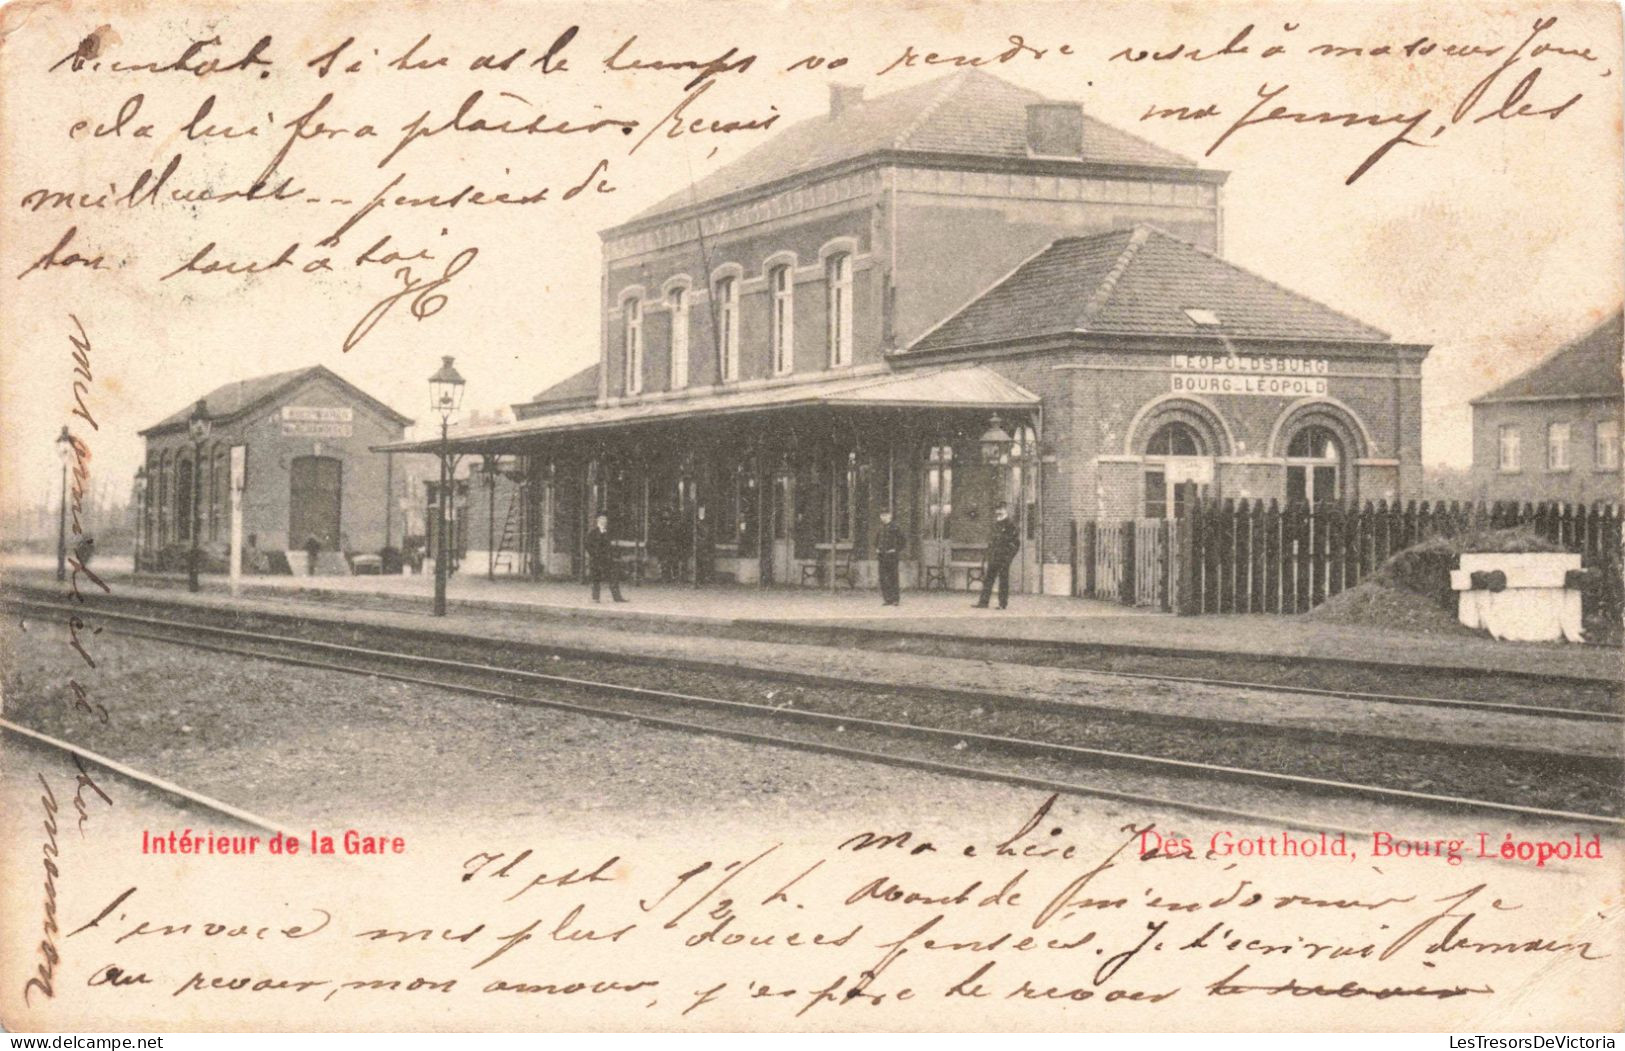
601,559
888,551
1002,545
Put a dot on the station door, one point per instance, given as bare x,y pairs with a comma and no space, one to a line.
314,501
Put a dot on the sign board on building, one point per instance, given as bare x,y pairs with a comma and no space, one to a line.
1189,469
317,421
1249,374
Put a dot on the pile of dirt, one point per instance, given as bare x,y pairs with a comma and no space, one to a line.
1411,591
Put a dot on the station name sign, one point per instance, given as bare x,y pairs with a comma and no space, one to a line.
317,421
1248,374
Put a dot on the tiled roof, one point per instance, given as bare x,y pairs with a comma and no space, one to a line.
954,386
1138,281
969,112
1586,367
583,384
234,399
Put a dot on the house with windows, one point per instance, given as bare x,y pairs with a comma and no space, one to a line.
1552,432
958,294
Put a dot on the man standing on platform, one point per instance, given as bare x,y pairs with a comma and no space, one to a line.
888,552
1002,546
601,559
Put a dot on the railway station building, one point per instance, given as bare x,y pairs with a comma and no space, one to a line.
308,473
931,302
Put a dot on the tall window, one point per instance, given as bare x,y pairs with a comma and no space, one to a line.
1557,447
939,481
158,496
1511,446
1607,455
1164,496
728,327
678,301
1314,466
219,493
851,504
632,312
838,277
183,499
781,281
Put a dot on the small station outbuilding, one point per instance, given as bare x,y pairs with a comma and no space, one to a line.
308,470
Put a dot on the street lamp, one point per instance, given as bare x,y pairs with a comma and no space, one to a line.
140,513
64,452
445,394
198,426
995,442
996,448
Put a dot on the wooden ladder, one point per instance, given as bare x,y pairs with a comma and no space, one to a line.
508,546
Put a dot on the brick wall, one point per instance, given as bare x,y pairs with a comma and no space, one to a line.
747,254
951,249
950,243
1101,406
364,475
1584,482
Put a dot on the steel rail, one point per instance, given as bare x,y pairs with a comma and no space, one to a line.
883,727
701,664
157,784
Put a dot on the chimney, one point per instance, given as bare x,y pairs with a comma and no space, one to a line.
843,97
1055,129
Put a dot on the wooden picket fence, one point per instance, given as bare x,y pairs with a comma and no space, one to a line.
1128,560
1239,556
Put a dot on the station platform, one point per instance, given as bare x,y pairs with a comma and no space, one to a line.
682,609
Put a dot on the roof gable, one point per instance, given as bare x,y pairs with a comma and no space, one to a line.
1138,281
232,400
583,384
1585,367
965,113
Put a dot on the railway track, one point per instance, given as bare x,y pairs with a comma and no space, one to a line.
962,750
1323,674
1579,710
153,783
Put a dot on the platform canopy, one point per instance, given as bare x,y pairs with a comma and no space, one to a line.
973,387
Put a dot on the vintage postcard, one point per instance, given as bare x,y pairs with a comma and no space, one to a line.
746,516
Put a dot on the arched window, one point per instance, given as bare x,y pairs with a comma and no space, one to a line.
210,522
151,498
781,323
838,279
162,499
1314,471
1167,487
632,314
184,486
728,327
677,300
220,509
1315,443
939,482
1174,439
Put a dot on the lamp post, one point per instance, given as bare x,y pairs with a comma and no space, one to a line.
140,514
64,452
996,444
198,426
1005,452
445,394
